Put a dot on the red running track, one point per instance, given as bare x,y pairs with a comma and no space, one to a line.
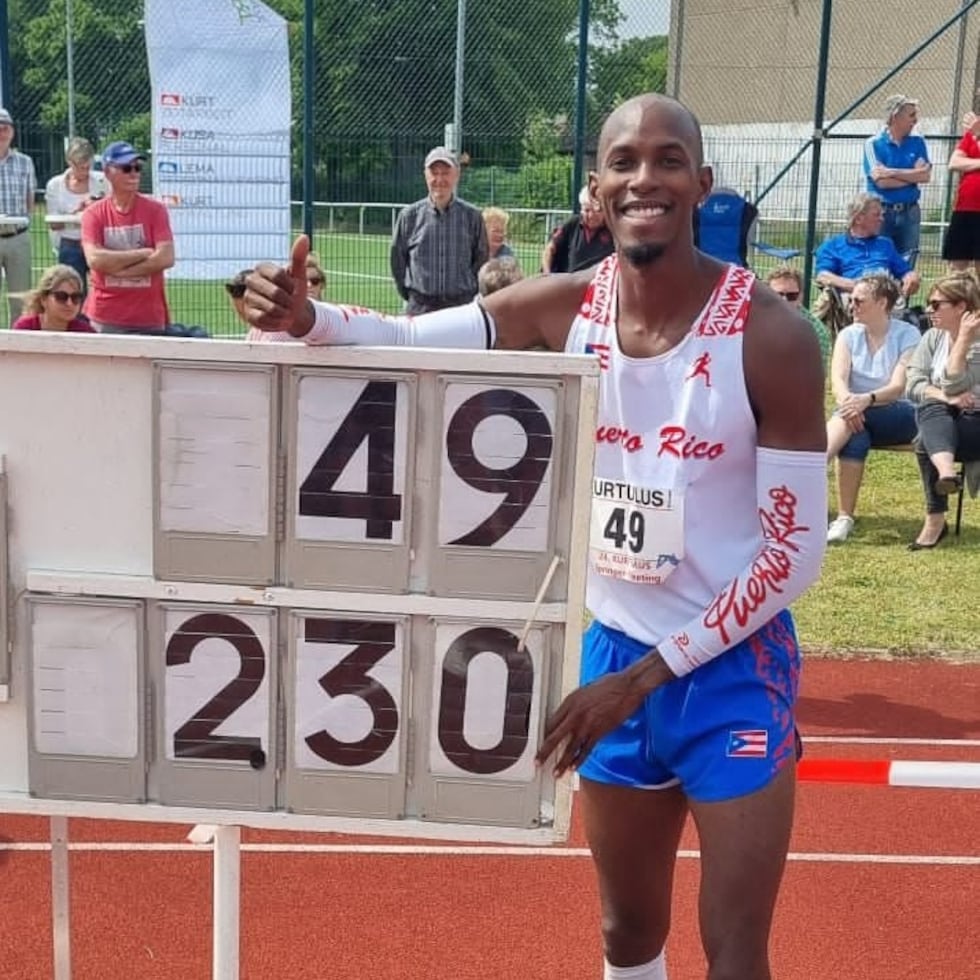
884,883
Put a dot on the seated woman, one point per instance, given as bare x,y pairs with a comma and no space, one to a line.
316,278
496,220
55,303
867,376
944,381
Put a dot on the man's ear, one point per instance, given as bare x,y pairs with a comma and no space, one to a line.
706,177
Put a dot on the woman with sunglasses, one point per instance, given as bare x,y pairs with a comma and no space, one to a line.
316,278
867,376
54,304
944,382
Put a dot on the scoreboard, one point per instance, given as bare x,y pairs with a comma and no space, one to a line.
332,584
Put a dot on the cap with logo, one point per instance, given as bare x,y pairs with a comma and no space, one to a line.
441,154
119,153
6,118
894,104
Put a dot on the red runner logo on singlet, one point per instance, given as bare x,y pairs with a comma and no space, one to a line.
676,441
701,368
728,308
613,435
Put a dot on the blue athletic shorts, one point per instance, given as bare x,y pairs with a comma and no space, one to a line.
722,731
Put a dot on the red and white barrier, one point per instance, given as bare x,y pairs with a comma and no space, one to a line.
895,772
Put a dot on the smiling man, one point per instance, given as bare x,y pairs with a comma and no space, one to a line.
710,451
439,242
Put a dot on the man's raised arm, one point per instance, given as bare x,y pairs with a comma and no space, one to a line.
534,312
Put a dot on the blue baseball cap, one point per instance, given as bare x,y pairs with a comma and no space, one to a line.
118,153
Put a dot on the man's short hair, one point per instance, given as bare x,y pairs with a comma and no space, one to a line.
859,204
497,273
894,104
786,272
585,197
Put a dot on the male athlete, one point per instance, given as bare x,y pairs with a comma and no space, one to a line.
709,508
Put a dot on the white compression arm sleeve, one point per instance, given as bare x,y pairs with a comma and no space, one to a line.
469,327
792,498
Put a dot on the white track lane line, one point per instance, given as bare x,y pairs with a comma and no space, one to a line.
412,850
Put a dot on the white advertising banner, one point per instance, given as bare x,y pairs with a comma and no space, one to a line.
219,72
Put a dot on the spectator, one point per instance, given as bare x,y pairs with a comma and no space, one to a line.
862,250
316,278
128,245
580,242
944,382
867,377
496,220
439,242
69,194
495,274
235,288
788,282
896,162
18,184
55,302
961,244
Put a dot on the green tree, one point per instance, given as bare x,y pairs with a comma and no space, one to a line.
625,69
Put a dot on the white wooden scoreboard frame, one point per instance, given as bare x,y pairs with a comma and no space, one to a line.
278,586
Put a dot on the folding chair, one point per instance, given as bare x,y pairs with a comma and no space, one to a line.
723,225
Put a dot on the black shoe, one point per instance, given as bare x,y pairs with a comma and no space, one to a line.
946,485
917,546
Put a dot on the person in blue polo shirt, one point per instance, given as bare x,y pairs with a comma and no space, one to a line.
896,163
862,250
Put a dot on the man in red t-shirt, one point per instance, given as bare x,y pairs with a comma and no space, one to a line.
128,245
961,246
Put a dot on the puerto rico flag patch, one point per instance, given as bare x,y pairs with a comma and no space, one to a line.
752,744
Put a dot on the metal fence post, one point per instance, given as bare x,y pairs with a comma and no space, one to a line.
309,149
581,84
818,137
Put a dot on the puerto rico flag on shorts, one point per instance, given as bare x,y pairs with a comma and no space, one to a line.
751,744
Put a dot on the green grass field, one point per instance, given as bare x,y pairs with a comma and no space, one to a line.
874,595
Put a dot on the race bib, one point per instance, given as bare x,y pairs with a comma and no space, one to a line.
637,533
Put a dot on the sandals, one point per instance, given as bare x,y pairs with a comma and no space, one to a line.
946,485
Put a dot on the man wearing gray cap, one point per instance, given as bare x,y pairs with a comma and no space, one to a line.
18,183
439,242
896,162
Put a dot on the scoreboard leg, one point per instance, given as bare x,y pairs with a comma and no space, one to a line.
60,922
227,882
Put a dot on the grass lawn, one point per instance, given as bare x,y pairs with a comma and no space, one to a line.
874,595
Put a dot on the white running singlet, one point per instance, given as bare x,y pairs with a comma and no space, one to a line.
675,515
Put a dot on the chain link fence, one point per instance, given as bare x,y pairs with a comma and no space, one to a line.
499,81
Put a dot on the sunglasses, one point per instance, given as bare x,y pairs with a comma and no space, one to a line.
314,281
791,297
933,305
129,168
62,297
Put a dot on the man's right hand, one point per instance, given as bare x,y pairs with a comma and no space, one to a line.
275,298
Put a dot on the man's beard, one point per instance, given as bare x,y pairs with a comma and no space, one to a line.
645,254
